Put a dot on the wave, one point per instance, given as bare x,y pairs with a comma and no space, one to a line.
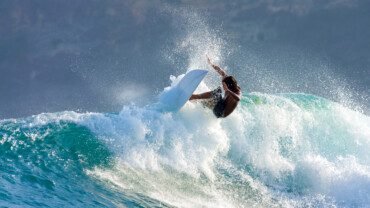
275,150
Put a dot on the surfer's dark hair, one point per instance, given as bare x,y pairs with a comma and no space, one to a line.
232,84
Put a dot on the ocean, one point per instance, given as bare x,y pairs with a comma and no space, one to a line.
79,79
283,150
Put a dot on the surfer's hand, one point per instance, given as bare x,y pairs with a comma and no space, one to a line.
209,61
193,97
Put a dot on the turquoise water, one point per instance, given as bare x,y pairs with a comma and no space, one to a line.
283,150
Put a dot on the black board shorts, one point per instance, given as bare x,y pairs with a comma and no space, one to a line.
220,104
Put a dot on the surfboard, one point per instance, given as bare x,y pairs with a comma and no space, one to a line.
175,97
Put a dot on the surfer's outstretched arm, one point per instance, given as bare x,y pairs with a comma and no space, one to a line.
217,68
205,95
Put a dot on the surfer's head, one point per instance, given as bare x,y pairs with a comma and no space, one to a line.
231,83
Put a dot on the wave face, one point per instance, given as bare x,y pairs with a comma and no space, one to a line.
284,150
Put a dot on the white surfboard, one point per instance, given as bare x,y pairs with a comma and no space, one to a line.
174,97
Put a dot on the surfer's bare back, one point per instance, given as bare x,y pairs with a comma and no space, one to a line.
222,105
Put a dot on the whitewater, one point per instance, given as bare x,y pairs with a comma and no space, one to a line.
276,150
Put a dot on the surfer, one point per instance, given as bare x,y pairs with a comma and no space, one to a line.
222,106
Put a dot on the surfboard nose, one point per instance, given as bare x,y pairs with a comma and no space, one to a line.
200,72
176,96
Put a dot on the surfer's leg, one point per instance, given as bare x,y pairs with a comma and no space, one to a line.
205,95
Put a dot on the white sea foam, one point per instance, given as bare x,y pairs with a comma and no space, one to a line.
275,150
314,151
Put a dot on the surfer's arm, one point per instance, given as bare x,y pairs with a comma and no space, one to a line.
217,68
229,92
205,95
